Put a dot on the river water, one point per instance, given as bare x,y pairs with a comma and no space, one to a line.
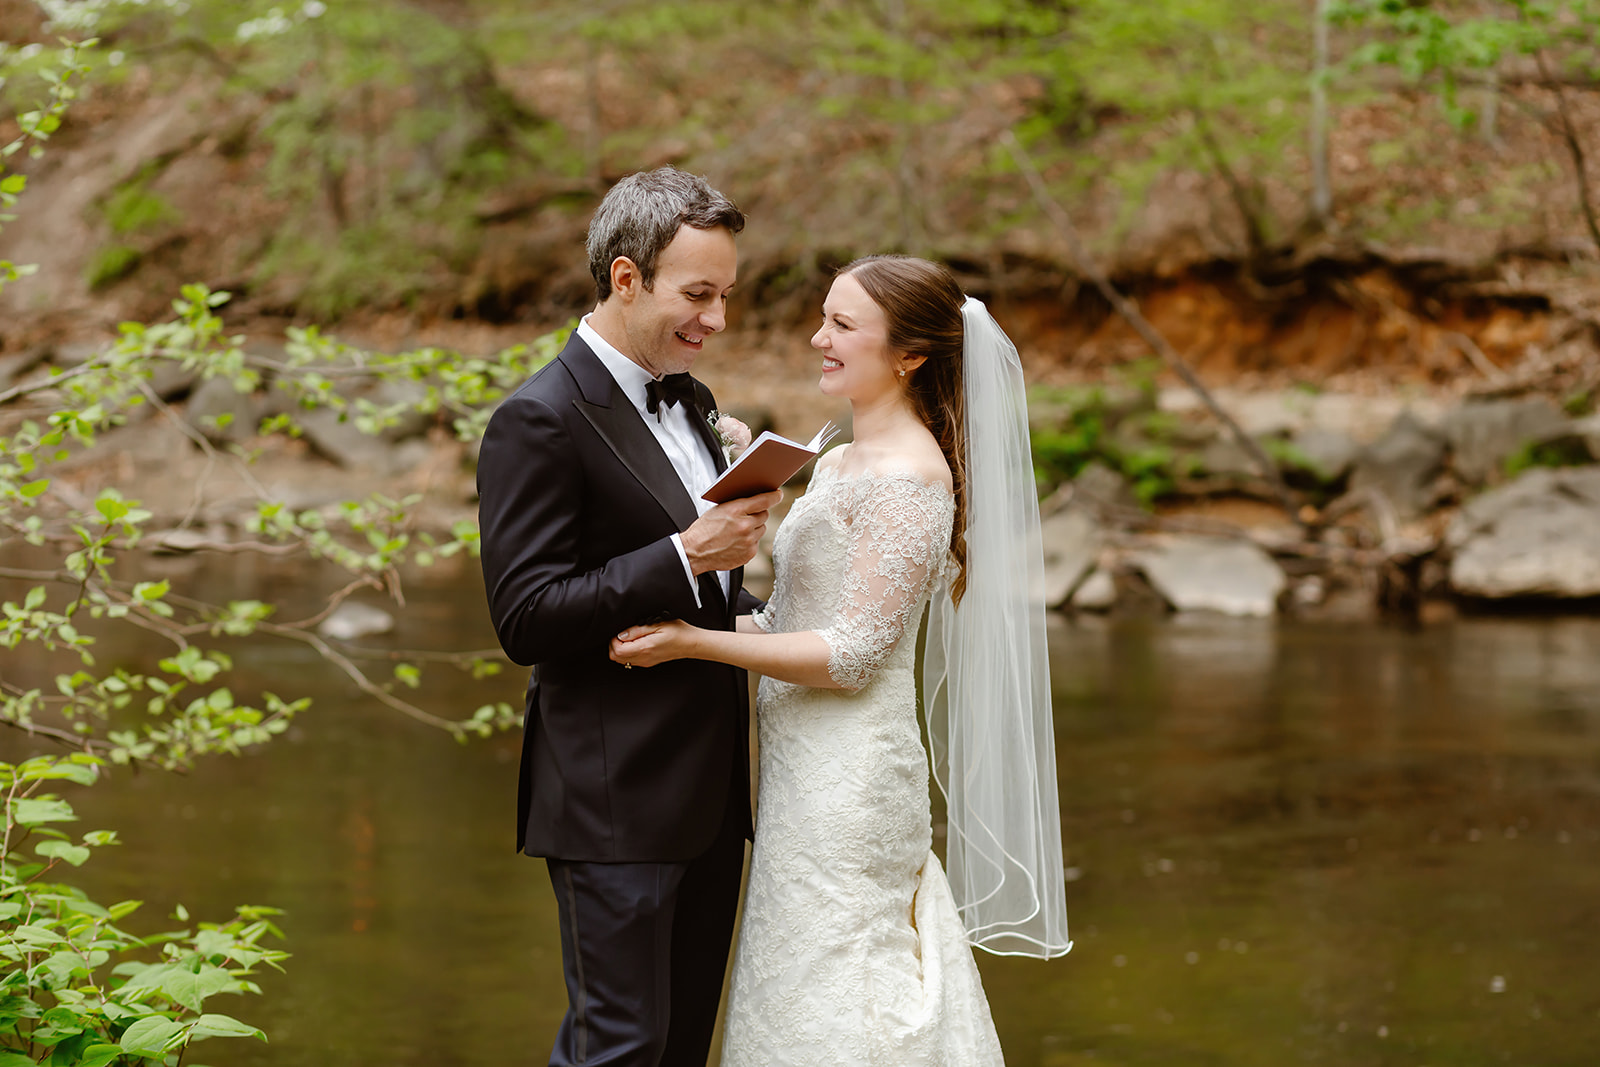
1288,843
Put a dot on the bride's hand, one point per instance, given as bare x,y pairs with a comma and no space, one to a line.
653,643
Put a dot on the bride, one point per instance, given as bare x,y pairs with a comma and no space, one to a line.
855,946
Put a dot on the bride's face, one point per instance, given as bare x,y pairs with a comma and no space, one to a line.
854,341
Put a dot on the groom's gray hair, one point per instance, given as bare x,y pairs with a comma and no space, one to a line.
641,214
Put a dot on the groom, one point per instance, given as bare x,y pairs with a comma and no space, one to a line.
634,784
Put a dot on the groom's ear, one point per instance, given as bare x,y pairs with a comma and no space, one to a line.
625,278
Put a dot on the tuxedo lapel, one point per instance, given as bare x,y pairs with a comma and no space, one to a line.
706,404
613,416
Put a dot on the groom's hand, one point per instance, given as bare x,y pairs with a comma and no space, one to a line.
726,536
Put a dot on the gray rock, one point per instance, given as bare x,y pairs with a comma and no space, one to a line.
1098,484
178,542
410,422
337,439
216,399
1211,574
1403,464
1588,428
1538,536
352,620
1483,434
1226,458
1326,454
13,367
1071,540
1097,593
1310,591
171,381
75,353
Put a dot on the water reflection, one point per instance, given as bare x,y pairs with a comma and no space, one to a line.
1322,844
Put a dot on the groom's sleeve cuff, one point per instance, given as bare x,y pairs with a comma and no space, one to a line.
683,554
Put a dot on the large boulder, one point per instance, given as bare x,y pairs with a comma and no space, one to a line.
1213,574
353,620
1326,454
1097,593
1588,428
1097,485
1484,433
1403,464
1537,536
222,413
1071,540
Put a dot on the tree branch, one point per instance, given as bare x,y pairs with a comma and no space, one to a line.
1141,325
358,676
1570,136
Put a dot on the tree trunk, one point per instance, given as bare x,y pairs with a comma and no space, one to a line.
1321,186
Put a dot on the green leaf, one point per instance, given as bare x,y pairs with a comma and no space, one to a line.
63,850
34,598
33,811
110,508
150,1036
98,1055
224,1026
33,489
15,1059
192,988
122,910
63,1020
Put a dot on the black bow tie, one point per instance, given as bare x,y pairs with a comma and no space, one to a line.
669,391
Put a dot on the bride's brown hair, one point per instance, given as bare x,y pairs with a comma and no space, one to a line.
922,304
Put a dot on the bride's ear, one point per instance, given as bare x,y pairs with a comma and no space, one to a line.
907,364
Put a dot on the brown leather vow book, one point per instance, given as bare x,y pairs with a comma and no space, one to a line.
769,462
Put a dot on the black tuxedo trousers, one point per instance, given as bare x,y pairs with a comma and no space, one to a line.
633,783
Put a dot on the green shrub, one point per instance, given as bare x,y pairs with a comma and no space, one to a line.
112,264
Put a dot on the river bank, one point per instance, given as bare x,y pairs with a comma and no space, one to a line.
1410,498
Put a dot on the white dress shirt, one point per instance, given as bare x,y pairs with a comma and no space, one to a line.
684,446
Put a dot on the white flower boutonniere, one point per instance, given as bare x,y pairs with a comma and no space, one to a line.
732,435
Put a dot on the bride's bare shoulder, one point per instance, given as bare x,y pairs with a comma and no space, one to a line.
927,466
920,460
833,458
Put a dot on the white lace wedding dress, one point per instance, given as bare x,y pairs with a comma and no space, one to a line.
851,951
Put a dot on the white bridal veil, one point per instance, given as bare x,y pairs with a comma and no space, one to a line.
986,678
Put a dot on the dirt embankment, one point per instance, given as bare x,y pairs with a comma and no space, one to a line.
167,173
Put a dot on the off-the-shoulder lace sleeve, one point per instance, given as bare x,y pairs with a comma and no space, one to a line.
899,533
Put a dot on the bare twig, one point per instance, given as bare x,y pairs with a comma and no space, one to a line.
403,655
1575,149
358,676
1141,325
51,382
366,581
1469,348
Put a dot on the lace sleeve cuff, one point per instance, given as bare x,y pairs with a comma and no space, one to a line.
848,670
764,620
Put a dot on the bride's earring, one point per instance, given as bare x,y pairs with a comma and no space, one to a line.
902,372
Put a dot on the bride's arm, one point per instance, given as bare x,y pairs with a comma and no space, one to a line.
801,658
896,534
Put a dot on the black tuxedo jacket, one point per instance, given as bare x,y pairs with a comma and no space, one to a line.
577,507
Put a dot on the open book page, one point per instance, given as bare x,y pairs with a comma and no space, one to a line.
769,462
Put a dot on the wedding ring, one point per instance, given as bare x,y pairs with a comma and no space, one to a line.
627,666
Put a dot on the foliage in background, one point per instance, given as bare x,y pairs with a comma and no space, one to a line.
400,143
1552,46
79,989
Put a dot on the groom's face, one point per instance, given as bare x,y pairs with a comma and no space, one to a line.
667,324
